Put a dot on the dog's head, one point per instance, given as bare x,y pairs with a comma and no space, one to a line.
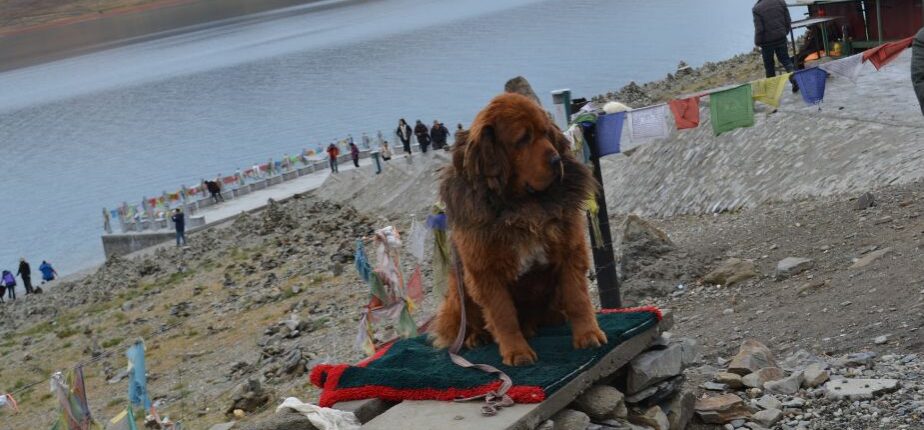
512,146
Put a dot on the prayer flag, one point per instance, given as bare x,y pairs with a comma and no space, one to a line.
885,53
769,90
123,421
648,123
686,112
609,132
415,286
811,84
731,109
416,240
848,67
137,381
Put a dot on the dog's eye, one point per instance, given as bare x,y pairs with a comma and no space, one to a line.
525,140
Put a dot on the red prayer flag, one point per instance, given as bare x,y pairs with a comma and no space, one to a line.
885,53
686,112
415,286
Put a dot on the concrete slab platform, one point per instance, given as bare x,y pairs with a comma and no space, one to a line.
436,415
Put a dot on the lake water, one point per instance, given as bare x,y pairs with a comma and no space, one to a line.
92,131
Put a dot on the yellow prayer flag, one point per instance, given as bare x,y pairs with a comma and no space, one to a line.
769,90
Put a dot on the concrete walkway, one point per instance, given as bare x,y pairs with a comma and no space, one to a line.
258,199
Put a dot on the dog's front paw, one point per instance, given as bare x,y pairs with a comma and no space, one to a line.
591,338
519,356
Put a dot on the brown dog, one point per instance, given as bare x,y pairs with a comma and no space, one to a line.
514,197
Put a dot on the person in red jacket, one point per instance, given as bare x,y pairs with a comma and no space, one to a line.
333,152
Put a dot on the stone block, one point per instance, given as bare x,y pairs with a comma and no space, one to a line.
859,389
731,271
752,356
652,417
762,376
789,385
791,266
679,410
652,367
722,409
570,419
600,402
767,417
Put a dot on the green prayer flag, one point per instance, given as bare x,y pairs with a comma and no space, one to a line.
732,108
377,288
406,326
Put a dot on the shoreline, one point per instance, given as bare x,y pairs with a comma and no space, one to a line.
21,47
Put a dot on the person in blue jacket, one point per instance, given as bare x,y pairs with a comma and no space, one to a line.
48,273
9,281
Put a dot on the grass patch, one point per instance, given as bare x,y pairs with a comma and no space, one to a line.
120,316
38,329
66,332
109,343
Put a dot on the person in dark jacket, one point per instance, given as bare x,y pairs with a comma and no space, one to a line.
25,272
917,67
332,153
9,281
179,222
423,136
214,190
438,135
354,153
48,273
771,26
404,134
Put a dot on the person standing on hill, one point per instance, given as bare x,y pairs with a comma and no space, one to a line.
332,153
48,273
917,67
9,281
25,273
423,136
354,153
404,134
179,222
386,151
438,135
772,24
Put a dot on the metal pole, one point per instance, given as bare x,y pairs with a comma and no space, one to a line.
879,21
604,257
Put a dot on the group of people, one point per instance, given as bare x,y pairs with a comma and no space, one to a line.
435,136
8,280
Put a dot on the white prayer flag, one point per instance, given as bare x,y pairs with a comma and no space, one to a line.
845,67
416,240
648,123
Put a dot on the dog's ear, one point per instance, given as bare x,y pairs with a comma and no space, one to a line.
485,158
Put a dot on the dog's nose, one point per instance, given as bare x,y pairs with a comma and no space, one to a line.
554,160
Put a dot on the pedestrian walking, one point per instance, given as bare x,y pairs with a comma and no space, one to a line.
917,67
48,273
772,24
179,222
423,136
404,134
386,151
25,273
332,153
438,135
354,153
214,190
9,281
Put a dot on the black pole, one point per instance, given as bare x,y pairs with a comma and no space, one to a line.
604,258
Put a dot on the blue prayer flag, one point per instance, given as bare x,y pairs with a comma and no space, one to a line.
609,132
137,381
811,84
436,222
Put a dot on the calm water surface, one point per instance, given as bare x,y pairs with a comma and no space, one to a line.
92,131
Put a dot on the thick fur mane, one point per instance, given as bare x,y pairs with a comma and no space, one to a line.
472,204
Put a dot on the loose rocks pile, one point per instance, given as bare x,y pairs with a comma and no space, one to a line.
855,391
654,398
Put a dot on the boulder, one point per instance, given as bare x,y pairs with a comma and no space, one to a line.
285,419
814,375
249,397
652,417
721,409
800,360
652,367
769,402
731,271
689,351
601,402
657,394
767,417
570,419
520,85
855,359
752,356
679,410
791,266
759,378
866,201
732,380
859,389
868,259
788,386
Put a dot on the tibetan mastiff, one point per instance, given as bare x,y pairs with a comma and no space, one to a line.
515,199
